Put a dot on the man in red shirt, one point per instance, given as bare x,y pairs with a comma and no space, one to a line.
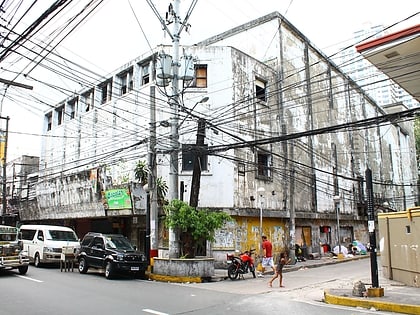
267,260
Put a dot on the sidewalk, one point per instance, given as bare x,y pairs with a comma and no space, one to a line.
398,297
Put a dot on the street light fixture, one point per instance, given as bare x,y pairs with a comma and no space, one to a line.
189,111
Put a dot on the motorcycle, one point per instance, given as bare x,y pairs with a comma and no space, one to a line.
241,264
299,253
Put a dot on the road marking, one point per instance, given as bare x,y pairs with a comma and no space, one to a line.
32,279
153,312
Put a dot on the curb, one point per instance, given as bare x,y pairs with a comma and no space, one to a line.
366,303
176,279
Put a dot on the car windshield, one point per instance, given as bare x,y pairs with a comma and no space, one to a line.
58,235
4,237
7,233
118,242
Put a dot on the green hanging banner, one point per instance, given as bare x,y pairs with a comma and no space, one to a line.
118,199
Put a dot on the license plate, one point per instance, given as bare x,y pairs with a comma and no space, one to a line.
135,268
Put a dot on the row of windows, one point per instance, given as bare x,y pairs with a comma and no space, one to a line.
119,85
122,84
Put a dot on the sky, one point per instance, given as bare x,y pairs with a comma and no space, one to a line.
121,30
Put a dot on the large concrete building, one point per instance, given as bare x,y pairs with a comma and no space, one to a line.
288,139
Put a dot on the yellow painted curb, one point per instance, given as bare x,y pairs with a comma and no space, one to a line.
366,303
164,278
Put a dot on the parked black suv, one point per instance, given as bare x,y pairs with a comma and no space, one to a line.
112,252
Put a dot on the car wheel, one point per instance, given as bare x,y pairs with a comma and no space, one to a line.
141,275
23,270
83,266
37,260
109,270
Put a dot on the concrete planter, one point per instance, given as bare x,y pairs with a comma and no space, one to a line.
188,269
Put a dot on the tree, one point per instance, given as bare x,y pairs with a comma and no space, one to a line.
162,189
193,224
141,173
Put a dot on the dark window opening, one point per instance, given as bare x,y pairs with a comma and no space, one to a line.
126,81
71,108
106,90
263,165
49,121
261,90
88,100
188,160
60,115
145,74
241,168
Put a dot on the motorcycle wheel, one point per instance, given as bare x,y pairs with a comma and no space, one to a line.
252,269
232,272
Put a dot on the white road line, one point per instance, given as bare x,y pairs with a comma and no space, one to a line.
153,312
32,279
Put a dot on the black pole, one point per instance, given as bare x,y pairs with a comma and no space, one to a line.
147,243
371,229
196,176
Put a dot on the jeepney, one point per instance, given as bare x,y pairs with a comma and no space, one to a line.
12,255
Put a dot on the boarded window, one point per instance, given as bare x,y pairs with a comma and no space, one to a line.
200,79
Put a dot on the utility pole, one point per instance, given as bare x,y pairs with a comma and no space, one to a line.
152,219
371,229
173,171
3,142
172,16
4,139
292,222
196,176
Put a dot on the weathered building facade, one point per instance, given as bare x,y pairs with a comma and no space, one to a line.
21,178
288,139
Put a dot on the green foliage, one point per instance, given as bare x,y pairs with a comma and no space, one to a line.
162,189
199,223
141,172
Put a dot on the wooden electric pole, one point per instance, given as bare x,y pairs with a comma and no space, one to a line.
198,153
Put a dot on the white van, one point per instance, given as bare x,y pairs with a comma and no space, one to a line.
44,243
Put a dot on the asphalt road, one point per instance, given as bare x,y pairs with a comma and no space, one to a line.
49,291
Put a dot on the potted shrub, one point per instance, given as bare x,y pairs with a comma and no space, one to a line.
193,224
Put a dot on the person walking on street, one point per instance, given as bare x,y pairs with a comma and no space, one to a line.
284,260
267,260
